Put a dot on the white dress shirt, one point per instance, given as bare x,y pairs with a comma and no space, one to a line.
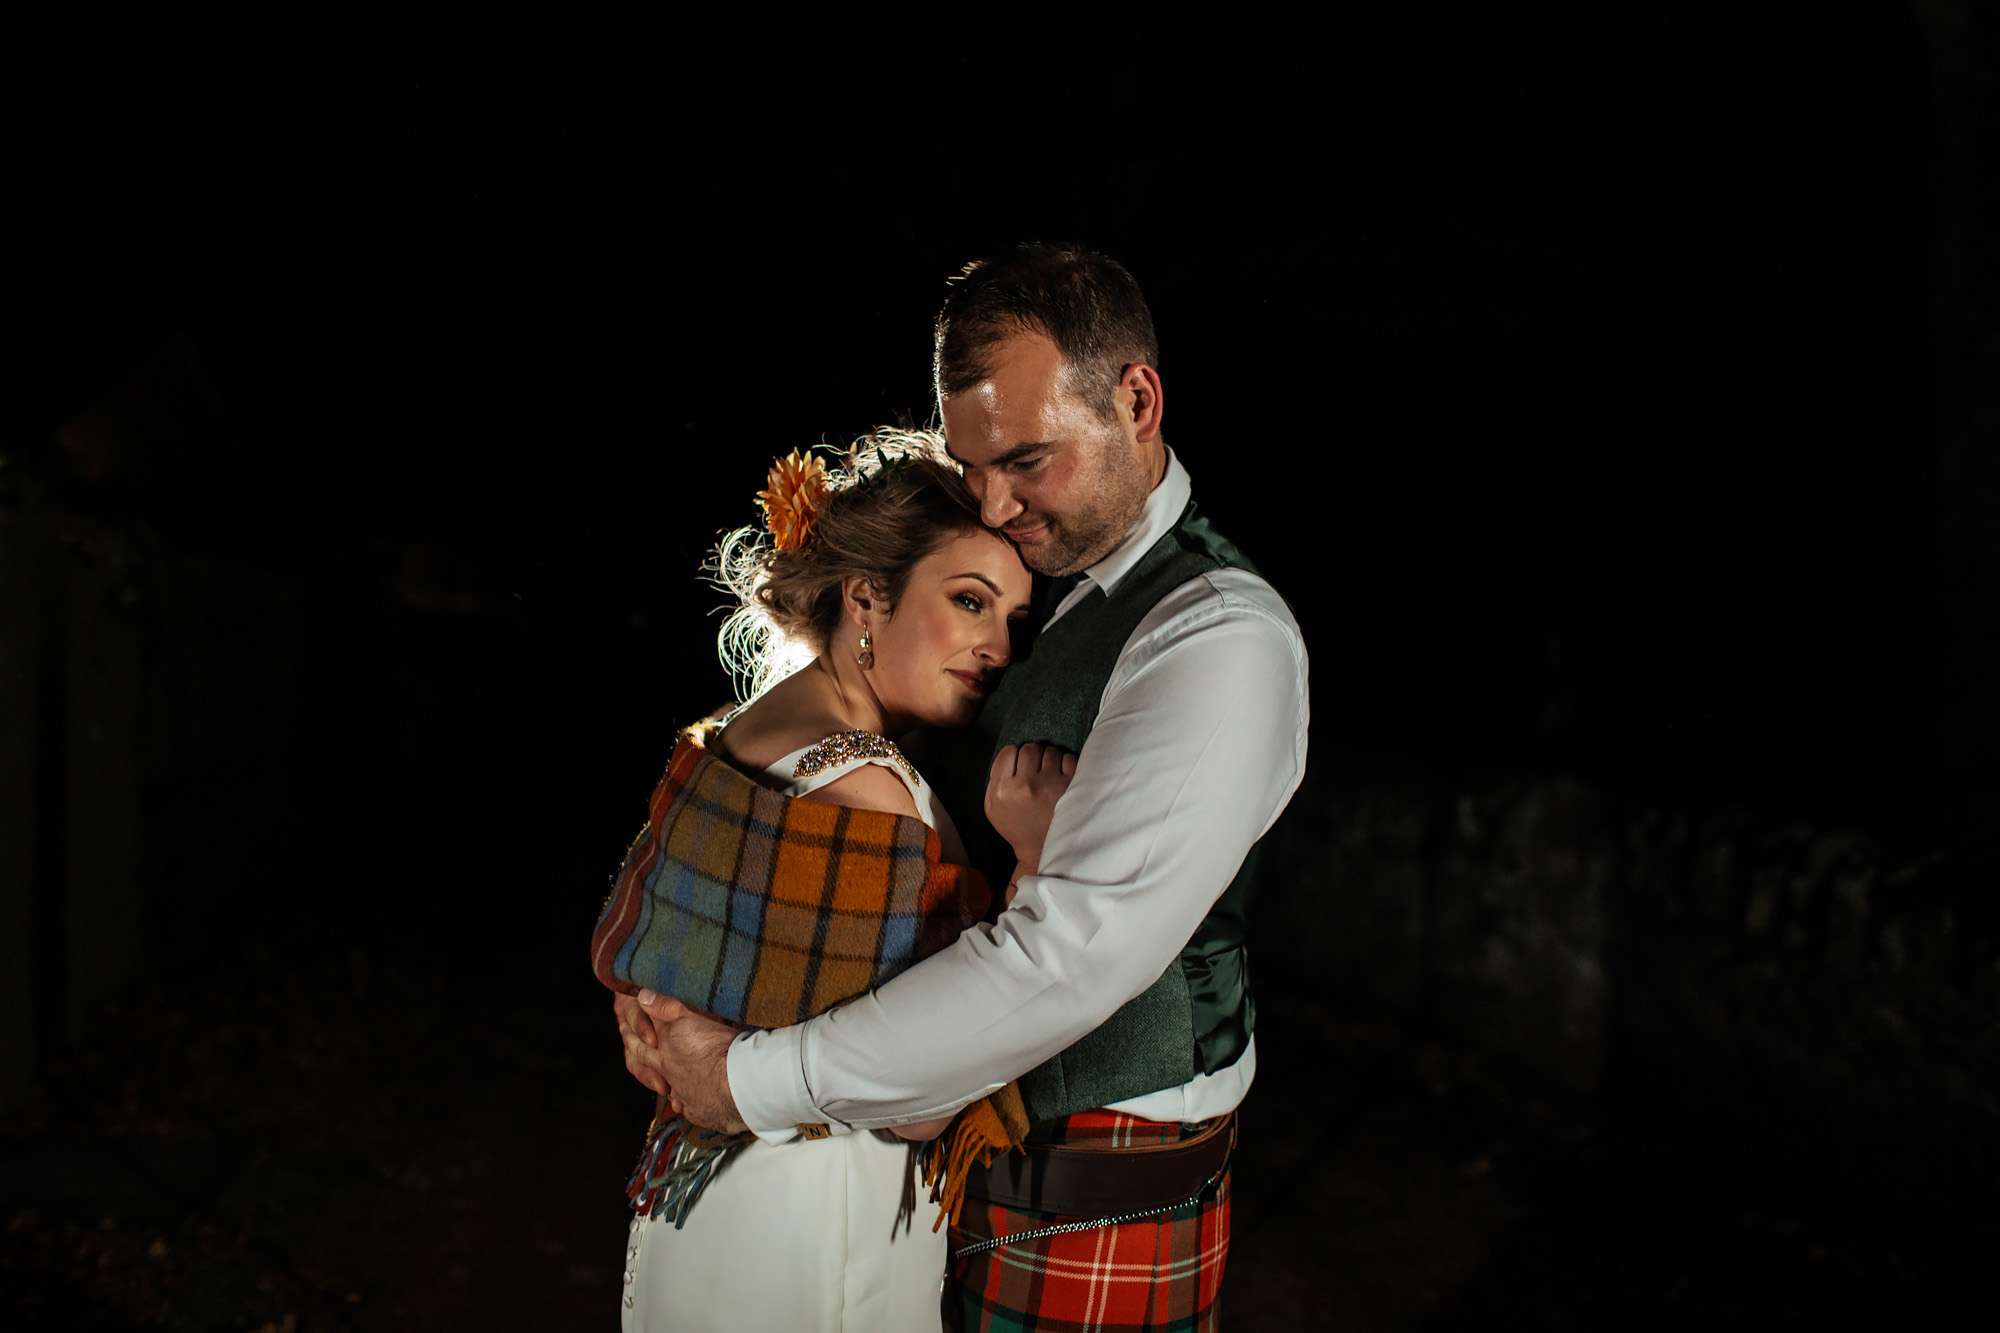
1199,742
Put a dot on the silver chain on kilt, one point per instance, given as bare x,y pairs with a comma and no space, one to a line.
1064,1228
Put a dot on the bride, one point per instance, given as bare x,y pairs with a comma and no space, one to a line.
882,575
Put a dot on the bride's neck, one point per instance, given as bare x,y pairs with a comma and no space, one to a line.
851,696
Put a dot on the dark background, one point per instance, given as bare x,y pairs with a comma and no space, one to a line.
1614,405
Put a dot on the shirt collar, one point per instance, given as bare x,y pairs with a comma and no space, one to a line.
1163,510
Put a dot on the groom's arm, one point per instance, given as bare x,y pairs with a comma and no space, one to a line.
1199,744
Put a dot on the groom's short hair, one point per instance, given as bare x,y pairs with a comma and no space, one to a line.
1085,302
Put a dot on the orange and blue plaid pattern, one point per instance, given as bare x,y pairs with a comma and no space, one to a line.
760,909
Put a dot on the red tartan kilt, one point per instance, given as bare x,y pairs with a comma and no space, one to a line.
1161,1274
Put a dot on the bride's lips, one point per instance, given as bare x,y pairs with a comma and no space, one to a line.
972,681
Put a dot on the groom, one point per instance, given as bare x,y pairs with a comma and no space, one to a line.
1115,987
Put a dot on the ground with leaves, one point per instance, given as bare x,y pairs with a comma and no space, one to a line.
363,1141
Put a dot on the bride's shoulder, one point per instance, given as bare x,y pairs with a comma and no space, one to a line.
868,786
850,768
774,727
838,767
756,748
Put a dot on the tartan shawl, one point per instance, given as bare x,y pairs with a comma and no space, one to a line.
763,910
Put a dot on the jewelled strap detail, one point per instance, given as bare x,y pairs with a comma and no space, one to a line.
843,747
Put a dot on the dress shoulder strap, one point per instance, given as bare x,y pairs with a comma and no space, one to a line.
843,752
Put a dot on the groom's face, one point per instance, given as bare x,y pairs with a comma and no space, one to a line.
1055,477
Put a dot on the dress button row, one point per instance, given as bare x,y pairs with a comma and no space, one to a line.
632,1257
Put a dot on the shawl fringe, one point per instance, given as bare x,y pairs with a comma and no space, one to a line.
990,1126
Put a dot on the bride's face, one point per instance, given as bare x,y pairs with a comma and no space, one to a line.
940,651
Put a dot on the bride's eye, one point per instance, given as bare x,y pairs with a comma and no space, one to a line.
970,602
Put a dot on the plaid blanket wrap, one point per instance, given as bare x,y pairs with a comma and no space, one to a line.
764,910
1160,1274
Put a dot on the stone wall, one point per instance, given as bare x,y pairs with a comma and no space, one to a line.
148,711
20,748
1810,990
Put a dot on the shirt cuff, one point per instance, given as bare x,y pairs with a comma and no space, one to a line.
768,1081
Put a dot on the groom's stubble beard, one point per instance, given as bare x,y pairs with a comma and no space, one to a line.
1111,499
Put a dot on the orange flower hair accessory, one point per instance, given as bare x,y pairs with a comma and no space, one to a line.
795,491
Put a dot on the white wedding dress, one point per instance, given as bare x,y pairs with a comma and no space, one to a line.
799,1236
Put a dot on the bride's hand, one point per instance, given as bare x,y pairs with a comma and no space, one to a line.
1021,795
923,1130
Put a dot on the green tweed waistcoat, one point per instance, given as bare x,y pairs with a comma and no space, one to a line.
1198,1016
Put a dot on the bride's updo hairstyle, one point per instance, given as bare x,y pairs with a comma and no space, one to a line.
896,498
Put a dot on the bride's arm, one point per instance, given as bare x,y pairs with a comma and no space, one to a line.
872,787
1022,789
1021,795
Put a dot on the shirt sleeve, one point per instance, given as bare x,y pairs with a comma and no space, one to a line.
1198,744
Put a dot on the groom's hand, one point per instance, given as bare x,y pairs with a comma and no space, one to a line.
693,1057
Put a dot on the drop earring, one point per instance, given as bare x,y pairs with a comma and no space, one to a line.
865,651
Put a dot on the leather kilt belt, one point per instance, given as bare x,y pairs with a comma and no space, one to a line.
1093,1181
